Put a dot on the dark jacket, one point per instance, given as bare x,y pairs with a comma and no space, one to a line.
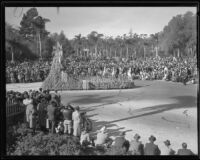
151,149
51,112
67,114
185,152
119,141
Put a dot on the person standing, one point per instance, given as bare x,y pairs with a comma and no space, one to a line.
51,112
184,151
32,113
151,148
76,122
42,114
67,115
136,146
26,102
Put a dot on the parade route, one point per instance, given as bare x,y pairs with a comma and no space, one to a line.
166,110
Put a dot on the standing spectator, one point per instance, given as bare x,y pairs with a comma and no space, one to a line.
51,111
42,114
32,113
184,151
26,102
151,148
76,122
167,150
67,115
136,146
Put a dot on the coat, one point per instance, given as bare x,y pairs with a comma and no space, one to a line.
31,115
51,111
76,123
185,152
42,114
151,149
136,147
119,141
167,151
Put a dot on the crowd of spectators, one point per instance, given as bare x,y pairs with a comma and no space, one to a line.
46,113
27,71
167,68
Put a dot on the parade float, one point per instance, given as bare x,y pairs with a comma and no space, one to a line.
59,79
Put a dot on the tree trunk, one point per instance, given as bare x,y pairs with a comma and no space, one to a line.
115,53
135,53
110,52
96,51
40,46
127,51
191,52
144,51
156,51
13,60
178,53
121,53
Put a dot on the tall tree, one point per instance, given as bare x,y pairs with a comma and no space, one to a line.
32,28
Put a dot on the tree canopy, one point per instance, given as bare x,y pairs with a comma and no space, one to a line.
178,37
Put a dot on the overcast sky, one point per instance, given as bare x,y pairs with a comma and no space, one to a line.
110,21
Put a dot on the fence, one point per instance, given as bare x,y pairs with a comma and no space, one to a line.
14,109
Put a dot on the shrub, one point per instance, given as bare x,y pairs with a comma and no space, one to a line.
51,144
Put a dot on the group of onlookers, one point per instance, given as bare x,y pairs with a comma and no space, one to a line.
133,147
44,111
27,71
153,68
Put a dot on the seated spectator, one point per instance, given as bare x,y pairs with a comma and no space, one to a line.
136,146
184,151
151,148
60,128
85,138
121,142
167,150
101,137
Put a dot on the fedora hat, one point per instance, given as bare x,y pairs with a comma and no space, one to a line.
167,142
136,136
152,138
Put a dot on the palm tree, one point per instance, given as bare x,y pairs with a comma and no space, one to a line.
39,25
94,38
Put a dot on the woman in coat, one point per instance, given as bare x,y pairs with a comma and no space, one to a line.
42,114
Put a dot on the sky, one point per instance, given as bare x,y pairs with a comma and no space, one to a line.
109,21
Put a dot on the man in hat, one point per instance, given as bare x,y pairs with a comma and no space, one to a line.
184,151
76,122
121,142
151,148
167,150
136,146
67,115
